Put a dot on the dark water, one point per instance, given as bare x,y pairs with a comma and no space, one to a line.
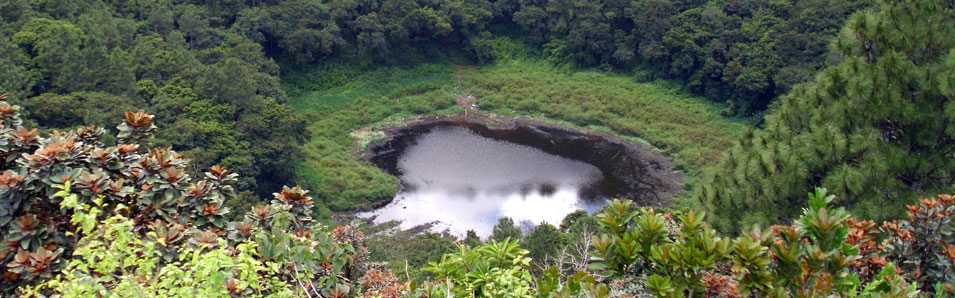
464,181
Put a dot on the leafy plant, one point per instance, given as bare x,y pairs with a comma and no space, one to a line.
151,184
819,255
694,251
111,259
495,269
137,224
923,244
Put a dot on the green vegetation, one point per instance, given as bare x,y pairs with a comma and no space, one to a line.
818,256
85,63
137,225
112,246
875,130
686,128
744,52
402,250
505,229
127,220
209,70
380,96
90,211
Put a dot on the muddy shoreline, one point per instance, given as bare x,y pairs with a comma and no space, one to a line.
631,171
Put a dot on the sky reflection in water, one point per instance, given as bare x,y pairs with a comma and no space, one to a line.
466,181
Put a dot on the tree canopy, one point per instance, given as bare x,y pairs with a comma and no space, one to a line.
876,130
86,63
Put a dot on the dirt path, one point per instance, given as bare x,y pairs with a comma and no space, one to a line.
459,69
465,101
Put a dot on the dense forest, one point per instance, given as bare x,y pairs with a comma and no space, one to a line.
748,52
211,70
221,105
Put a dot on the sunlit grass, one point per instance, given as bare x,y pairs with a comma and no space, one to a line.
688,129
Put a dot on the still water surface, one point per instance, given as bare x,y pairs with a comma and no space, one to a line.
463,181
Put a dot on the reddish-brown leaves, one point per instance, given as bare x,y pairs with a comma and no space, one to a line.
294,196
8,111
219,172
210,209
34,264
718,285
27,224
260,214
383,284
138,119
26,137
10,179
861,234
127,148
60,149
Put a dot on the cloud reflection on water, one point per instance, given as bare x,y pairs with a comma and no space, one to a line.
465,181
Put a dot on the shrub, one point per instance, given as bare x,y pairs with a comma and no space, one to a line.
127,220
816,256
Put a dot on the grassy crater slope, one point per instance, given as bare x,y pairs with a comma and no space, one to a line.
338,100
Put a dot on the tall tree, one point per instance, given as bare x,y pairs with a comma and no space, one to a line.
505,229
18,80
54,47
876,130
543,242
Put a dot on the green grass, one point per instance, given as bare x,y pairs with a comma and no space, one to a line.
338,100
361,99
686,128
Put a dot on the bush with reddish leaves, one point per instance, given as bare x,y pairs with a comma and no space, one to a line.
169,211
825,252
152,183
923,245
383,284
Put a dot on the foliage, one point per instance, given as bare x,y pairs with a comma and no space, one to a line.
695,250
618,251
408,252
496,269
923,243
472,239
382,284
746,51
500,269
543,243
111,259
151,184
825,253
82,219
814,257
505,229
580,284
220,95
874,130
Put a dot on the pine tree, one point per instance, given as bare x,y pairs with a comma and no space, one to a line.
877,130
